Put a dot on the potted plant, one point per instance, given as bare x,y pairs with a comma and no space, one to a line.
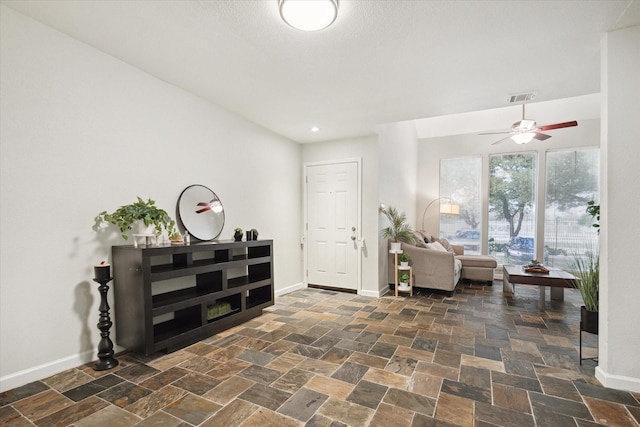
398,229
587,272
252,234
404,281
237,235
146,212
404,259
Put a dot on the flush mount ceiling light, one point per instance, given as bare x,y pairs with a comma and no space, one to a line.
308,15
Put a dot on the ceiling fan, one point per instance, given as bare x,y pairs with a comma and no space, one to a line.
523,131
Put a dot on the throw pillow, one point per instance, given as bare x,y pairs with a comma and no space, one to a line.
419,240
446,244
436,246
428,238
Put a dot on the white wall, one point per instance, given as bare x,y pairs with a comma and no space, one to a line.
82,132
619,338
366,149
397,153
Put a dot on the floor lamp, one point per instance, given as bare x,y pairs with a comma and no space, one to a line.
449,208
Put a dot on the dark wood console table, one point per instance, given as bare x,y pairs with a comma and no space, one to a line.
169,296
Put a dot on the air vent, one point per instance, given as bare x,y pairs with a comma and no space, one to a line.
521,97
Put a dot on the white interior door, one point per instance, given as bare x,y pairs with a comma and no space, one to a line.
332,225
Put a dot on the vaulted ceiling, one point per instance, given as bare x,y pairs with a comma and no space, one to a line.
381,61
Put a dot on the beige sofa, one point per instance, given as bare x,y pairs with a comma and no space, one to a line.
442,270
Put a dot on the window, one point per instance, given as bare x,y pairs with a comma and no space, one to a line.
460,180
571,181
512,205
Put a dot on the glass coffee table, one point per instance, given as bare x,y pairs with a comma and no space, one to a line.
556,280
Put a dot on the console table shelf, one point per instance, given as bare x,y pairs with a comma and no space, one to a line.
162,293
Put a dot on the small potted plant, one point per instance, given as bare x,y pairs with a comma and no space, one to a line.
237,235
398,230
252,234
404,281
404,259
126,217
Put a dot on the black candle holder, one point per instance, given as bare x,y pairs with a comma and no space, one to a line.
105,346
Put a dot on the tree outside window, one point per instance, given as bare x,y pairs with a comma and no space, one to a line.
512,204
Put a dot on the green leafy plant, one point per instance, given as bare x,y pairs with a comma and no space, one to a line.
594,211
404,278
398,229
587,272
146,211
404,257
238,230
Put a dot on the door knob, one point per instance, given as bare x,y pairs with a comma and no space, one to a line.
353,238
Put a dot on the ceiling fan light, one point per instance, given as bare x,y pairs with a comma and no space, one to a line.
523,138
309,15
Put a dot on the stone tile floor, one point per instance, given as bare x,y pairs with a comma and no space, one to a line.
324,358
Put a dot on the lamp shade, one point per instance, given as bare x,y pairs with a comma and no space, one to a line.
309,15
445,208
449,209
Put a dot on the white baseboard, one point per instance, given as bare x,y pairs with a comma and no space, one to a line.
618,382
288,289
48,369
374,294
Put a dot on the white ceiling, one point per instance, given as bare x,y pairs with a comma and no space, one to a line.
381,61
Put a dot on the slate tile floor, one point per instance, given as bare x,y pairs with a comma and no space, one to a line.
323,358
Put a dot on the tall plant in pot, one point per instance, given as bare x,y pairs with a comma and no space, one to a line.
398,230
587,272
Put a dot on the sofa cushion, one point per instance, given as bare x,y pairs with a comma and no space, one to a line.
428,238
478,261
436,246
446,244
457,267
419,240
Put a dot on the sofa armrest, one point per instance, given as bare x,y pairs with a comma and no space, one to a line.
431,268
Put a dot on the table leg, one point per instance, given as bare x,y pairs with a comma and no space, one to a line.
557,293
541,301
395,270
506,286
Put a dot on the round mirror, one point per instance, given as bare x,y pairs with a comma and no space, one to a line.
201,212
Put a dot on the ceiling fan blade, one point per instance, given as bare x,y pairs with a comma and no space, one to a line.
501,140
495,133
541,136
558,125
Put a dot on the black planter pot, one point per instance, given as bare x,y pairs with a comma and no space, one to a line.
588,320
